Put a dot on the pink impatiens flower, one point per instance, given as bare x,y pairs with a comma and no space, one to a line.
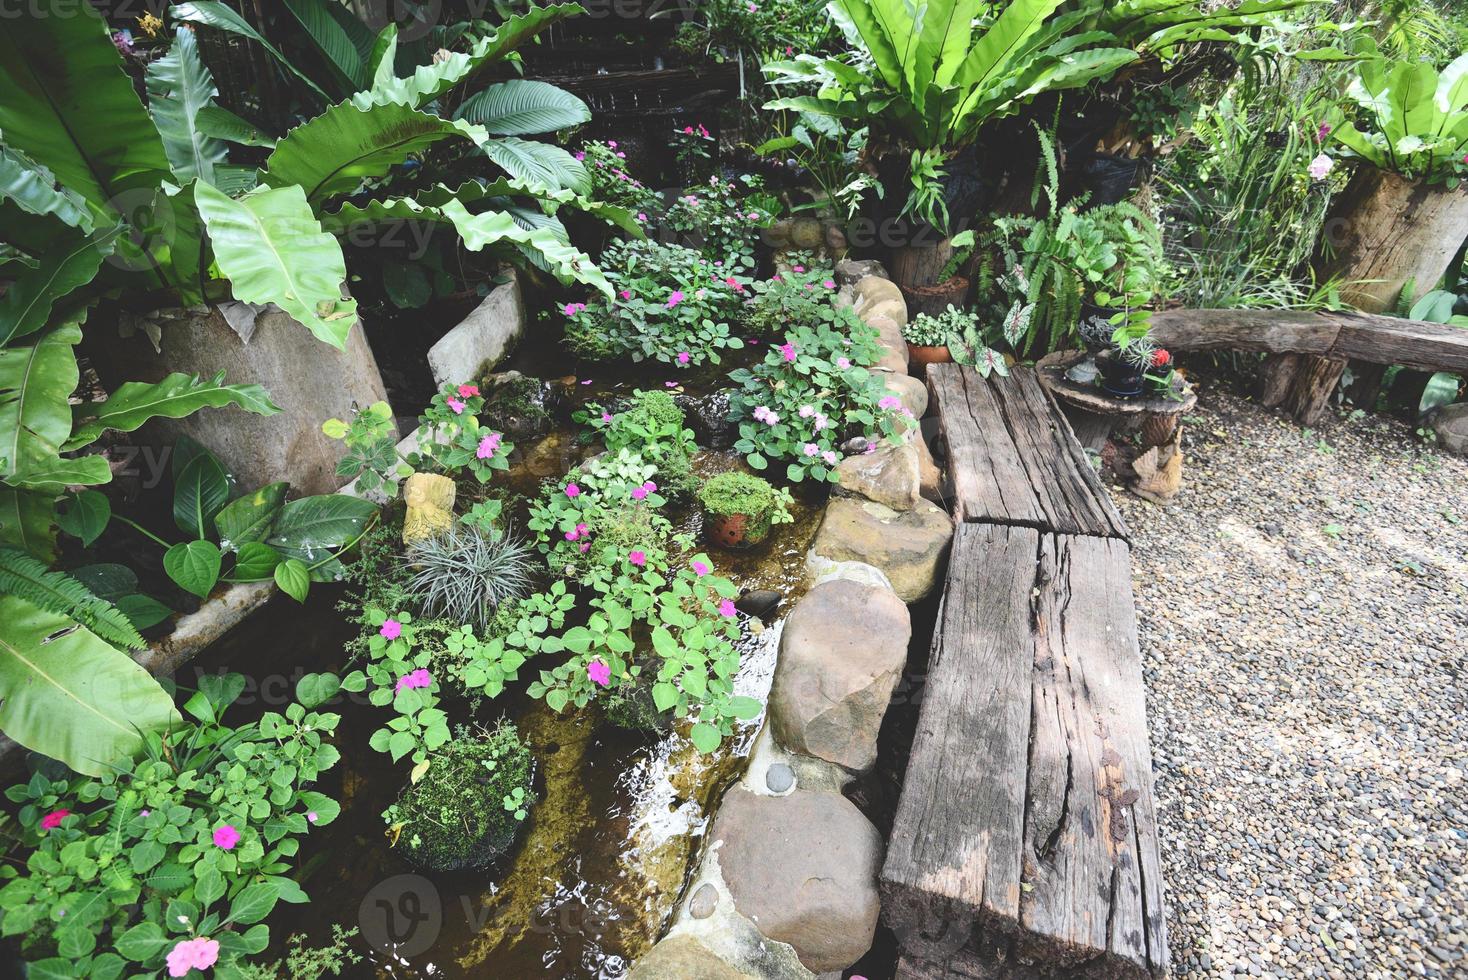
573,491
889,402
626,294
684,357
675,297
418,678
830,457
488,446
787,351
192,954
811,449
600,673
468,391
53,819
312,816
573,308
391,629
456,405
701,568
797,268
226,837
829,284
843,363
637,558
726,608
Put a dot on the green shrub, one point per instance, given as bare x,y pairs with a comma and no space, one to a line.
652,426
468,808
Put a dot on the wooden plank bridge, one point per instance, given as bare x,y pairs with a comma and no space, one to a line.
1025,842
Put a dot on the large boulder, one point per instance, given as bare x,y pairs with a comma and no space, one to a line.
910,547
888,474
1451,425
802,868
482,339
683,957
841,654
849,272
912,391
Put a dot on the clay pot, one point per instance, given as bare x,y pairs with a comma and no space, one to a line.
919,356
734,531
934,299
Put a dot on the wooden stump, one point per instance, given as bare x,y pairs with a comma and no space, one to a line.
1384,233
1276,375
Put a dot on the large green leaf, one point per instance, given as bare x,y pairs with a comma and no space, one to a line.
248,518
538,164
221,17
200,490
66,102
34,190
71,264
332,40
67,694
515,31
176,396
308,527
442,204
345,145
520,107
272,249
36,382
220,123
179,87
26,522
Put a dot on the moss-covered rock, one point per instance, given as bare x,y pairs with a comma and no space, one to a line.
467,810
517,405
631,706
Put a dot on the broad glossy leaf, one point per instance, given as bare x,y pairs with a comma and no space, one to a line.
85,516
34,190
68,266
705,737
176,396
272,249
220,123
179,87
521,107
538,164
193,566
67,694
26,522
67,103
311,526
293,579
255,562
332,40
222,17
200,490
345,145
36,382
142,611
248,517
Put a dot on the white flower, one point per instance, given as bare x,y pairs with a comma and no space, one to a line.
1320,166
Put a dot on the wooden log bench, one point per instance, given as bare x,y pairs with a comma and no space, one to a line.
1025,840
1013,457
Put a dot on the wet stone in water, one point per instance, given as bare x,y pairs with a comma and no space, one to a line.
779,777
704,901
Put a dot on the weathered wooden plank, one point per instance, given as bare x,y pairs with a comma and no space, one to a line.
1270,331
955,850
1359,336
1410,343
1026,832
1012,455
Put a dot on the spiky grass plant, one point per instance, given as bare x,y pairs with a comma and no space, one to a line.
463,574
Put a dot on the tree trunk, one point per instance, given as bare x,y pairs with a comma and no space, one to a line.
1276,375
919,265
1384,232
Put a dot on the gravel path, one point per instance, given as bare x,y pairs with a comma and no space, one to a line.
1304,630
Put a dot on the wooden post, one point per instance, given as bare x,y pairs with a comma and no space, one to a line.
1276,375
1384,232
919,265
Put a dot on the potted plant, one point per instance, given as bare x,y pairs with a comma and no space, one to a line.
739,509
1161,374
1123,367
948,288
928,337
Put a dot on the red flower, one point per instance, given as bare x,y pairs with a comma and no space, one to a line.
1161,358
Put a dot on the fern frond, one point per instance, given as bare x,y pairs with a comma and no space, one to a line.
23,576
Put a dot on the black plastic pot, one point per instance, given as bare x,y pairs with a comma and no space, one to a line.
1119,376
1091,312
1110,179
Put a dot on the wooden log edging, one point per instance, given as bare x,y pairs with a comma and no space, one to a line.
786,885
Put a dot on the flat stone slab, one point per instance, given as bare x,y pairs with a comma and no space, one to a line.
482,339
909,547
681,958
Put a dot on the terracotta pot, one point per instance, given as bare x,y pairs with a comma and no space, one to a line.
734,531
934,299
921,355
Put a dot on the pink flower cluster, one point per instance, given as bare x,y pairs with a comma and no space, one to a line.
809,412
468,391
578,532
192,954
53,819
763,414
690,130
411,681
787,351
456,405
571,309
599,673
675,297
641,492
489,445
